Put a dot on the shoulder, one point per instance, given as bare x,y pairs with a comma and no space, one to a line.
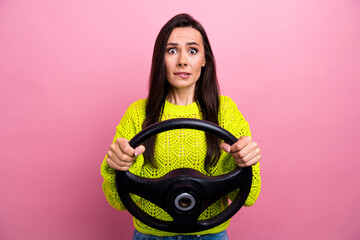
138,104
132,120
227,110
231,118
226,104
136,111
138,107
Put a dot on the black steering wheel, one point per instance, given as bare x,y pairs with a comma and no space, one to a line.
184,193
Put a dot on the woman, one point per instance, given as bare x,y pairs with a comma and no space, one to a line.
183,84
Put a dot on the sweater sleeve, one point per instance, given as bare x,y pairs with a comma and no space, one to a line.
129,125
232,120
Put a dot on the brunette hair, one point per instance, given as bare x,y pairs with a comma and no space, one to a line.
206,90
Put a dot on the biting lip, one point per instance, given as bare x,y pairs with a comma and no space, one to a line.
182,73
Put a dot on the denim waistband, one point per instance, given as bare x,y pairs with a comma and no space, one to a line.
217,236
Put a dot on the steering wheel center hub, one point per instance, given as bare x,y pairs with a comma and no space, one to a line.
185,202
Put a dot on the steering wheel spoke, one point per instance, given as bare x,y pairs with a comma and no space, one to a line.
148,188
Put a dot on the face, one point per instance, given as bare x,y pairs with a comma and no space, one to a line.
184,58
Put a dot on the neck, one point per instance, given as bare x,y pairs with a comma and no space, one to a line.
180,97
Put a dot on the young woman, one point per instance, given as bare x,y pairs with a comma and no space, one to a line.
183,84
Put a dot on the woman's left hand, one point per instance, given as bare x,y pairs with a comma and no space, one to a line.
245,151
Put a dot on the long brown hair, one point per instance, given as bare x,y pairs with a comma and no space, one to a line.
206,90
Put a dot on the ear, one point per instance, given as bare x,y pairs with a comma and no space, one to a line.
204,63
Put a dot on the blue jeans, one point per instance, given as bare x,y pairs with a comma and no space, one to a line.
217,236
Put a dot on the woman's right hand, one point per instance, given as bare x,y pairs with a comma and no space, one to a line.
121,155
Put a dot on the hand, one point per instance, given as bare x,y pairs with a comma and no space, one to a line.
245,151
121,155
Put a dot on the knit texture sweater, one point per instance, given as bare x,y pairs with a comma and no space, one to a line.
180,148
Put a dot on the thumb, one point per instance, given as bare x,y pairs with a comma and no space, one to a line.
225,147
139,150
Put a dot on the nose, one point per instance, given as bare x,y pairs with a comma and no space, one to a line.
182,61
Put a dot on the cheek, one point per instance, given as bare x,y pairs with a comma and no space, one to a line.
197,66
167,67
197,75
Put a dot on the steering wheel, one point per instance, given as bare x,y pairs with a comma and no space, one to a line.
184,193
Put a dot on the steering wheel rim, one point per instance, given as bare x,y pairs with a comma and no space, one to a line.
204,190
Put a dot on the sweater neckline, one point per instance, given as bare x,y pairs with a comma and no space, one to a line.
180,109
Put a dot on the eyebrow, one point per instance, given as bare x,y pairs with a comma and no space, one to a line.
189,43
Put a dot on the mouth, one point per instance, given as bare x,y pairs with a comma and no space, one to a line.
182,74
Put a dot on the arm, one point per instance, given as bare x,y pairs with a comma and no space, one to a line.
109,186
120,155
245,152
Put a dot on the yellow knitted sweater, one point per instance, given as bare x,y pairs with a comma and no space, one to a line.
181,148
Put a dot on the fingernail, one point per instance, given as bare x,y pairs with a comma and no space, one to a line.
137,152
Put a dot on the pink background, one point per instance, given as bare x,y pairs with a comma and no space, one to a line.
69,69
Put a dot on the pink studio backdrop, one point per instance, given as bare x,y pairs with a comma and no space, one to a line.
69,69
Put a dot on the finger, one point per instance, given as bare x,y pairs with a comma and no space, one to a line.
250,163
123,169
240,144
110,156
118,155
139,150
125,147
123,166
124,158
250,150
113,160
251,155
225,147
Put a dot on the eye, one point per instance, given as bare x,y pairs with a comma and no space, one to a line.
193,51
172,51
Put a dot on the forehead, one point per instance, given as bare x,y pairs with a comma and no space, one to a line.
185,34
